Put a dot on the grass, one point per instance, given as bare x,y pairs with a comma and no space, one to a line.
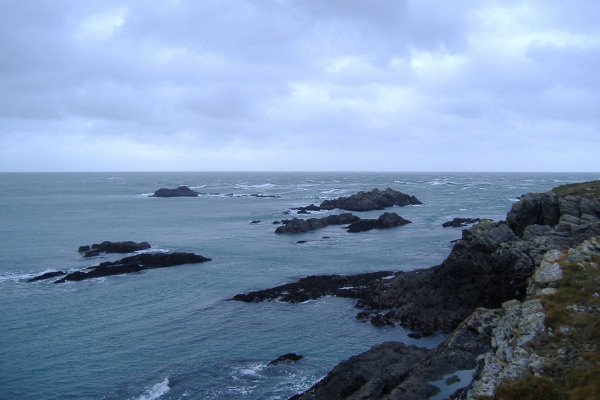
589,190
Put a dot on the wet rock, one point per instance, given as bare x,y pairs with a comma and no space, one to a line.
289,357
367,201
46,275
460,222
114,247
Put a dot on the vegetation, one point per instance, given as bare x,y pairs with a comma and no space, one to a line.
572,346
589,190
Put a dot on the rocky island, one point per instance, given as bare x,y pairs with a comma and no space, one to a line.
519,299
365,201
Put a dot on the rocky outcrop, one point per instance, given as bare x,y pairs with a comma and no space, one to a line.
113,247
385,221
181,191
460,222
126,265
366,201
297,225
289,357
314,287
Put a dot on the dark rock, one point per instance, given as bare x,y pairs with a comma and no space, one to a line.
181,191
276,222
83,249
297,225
366,201
46,275
135,263
301,241
115,247
290,357
385,221
534,208
313,287
460,222
256,221
91,253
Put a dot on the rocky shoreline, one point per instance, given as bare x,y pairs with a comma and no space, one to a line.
488,295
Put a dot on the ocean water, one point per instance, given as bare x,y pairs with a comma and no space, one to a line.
173,333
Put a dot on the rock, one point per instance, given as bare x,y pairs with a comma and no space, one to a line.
289,357
385,221
113,247
313,287
256,221
135,263
534,208
460,222
46,275
181,191
366,201
297,225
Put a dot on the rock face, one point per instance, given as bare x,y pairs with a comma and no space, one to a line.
385,221
297,225
367,201
181,191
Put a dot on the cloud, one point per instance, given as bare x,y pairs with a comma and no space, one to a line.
283,85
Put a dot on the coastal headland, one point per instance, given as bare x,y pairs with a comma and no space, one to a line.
519,300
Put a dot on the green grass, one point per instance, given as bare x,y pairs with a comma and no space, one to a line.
589,190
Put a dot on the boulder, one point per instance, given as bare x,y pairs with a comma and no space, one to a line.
181,191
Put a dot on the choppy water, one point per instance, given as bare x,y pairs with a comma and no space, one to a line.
172,333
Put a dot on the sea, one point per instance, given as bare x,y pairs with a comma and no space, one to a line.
174,333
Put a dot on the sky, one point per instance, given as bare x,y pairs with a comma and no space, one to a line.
304,85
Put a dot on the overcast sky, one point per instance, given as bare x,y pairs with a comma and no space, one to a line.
304,85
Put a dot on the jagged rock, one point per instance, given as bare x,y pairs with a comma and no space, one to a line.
385,221
534,208
460,222
289,357
297,225
181,191
135,263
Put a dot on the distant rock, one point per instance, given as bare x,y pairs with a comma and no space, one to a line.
460,222
385,221
297,225
367,201
289,357
113,247
181,191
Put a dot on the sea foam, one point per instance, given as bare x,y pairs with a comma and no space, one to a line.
156,391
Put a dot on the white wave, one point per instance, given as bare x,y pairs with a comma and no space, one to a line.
156,391
19,276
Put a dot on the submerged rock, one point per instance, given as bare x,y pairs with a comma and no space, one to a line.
181,191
